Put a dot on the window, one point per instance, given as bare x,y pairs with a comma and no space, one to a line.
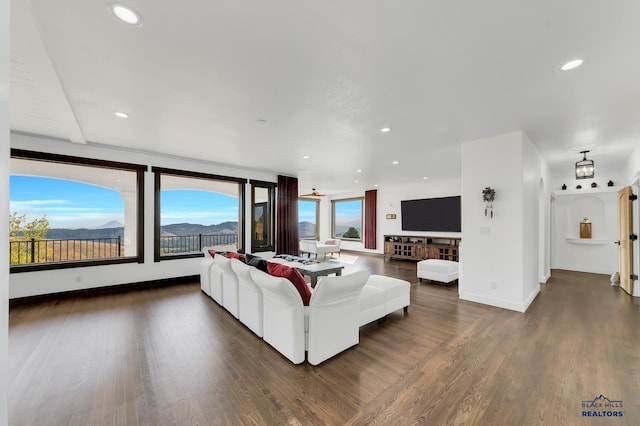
71,211
308,218
196,210
346,219
262,216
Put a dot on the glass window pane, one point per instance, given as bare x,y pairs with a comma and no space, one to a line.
67,212
347,219
196,213
307,219
262,234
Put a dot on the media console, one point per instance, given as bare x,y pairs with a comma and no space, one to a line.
421,247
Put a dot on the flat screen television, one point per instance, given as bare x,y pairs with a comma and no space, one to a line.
432,214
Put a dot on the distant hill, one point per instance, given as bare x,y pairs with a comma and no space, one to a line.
176,229
195,229
307,229
110,224
84,233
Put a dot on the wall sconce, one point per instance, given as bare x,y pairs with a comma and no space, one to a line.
585,168
488,195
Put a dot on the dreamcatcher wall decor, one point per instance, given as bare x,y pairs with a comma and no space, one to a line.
488,195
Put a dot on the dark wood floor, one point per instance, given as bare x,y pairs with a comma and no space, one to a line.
171,356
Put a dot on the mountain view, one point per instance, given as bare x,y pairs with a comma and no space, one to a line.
114,229
109,231
306,229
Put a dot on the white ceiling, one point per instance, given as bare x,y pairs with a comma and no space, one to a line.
262,83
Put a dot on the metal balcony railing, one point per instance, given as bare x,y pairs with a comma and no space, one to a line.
25,252
32,251
179,244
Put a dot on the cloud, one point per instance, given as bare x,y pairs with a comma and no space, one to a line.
199,217
31,204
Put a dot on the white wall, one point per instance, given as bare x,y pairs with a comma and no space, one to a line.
544,240
531,181
601,178
4,207
598,204
493,264
52,281
389,197
597,255
632,169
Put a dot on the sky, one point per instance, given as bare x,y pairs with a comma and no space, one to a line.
67,204
71,204
307,211
194,206
349,213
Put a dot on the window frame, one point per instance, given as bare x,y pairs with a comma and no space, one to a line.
158,172
271,202
317,237
333,218
139,169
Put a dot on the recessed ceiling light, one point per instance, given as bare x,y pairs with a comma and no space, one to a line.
356,181
306,157
376,185
425,178
125,14
385,129
396,162
359,171
121,114
572,65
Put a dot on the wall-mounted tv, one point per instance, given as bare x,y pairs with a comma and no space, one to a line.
432,214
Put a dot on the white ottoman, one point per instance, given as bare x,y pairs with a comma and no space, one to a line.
397,292
438,270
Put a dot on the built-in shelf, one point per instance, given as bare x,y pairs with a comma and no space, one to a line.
584,191
573,240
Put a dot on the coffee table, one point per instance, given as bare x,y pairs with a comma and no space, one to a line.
316,270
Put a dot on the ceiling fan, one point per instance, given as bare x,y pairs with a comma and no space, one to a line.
313,193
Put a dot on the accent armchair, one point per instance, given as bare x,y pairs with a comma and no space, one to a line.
315,247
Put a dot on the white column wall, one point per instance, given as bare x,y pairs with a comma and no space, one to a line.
544,249
493,265
4,208
531,220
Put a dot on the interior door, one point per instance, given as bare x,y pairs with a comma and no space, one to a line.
626,246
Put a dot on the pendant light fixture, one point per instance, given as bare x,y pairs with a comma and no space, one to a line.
584,168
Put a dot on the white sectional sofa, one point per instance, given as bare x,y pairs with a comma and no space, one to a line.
271,307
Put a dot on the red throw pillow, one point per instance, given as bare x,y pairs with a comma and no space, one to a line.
233,255
293,275
213,252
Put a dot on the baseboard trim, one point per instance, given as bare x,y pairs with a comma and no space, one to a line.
102,291
501,303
